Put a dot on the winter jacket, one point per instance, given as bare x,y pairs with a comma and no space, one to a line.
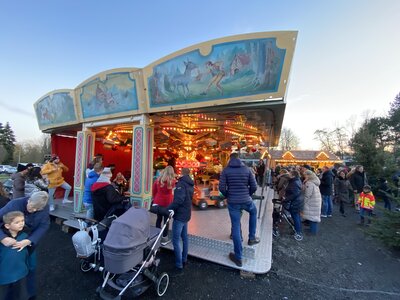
13,263
283,181
54,173
38,222
366,200
358,181
342,187
162,195
90,180
312,200
293,197
3,201
104,197
237,183
326,186
183,195
18,185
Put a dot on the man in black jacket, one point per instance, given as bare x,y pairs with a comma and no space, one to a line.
182,207
326,188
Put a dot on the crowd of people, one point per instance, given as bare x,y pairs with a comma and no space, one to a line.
308,194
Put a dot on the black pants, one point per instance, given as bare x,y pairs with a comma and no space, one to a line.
341,207
14,291
158,223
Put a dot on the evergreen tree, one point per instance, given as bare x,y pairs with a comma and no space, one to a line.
8,142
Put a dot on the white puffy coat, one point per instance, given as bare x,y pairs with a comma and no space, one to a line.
312,200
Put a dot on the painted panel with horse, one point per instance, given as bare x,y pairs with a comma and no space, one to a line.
231,69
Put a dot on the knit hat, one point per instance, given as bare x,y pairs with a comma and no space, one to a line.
21,167
105,176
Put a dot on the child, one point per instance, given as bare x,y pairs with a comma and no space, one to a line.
13,262
366,201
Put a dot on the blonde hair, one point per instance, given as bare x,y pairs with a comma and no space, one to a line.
10,216
167,176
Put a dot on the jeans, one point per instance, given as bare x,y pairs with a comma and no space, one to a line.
313,227
297,221
326,205
158,223
89,210
364,211
179,231
235,213
65,186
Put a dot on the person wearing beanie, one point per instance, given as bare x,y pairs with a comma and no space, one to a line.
53,170
105,197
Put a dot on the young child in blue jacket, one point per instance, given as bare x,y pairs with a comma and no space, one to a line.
14,263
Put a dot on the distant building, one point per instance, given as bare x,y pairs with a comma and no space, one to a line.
313,158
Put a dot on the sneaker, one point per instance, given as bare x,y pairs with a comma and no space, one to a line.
298,237
51,208
165,240
66,201
233,258
253,242
323,216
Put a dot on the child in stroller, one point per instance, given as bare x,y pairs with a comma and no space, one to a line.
129,251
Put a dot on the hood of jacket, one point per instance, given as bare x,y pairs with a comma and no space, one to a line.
93,174
314,180
235,163
99,185
186,180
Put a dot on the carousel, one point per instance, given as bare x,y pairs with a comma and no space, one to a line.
190,109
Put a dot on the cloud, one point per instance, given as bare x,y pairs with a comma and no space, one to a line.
17,110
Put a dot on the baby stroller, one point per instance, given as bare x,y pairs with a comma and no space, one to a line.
88,242
129,251
279,213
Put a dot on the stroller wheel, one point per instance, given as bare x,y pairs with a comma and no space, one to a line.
85,266
162,284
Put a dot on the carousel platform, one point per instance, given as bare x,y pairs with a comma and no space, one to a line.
209,234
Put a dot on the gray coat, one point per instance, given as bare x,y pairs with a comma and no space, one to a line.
312,200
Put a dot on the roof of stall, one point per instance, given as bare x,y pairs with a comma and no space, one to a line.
242,77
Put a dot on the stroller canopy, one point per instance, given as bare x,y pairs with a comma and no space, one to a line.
129,230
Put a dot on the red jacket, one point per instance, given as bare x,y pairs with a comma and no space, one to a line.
162,195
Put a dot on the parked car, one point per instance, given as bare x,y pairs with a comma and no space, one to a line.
3,168
8,186
10,170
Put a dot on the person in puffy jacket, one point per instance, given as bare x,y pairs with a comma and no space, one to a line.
312,200
87,194
293,202
237,184
53,171
105,197
182,207
366,201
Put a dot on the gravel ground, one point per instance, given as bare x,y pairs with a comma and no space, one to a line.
341,262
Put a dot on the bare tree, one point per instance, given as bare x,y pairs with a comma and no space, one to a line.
324,136
288,140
